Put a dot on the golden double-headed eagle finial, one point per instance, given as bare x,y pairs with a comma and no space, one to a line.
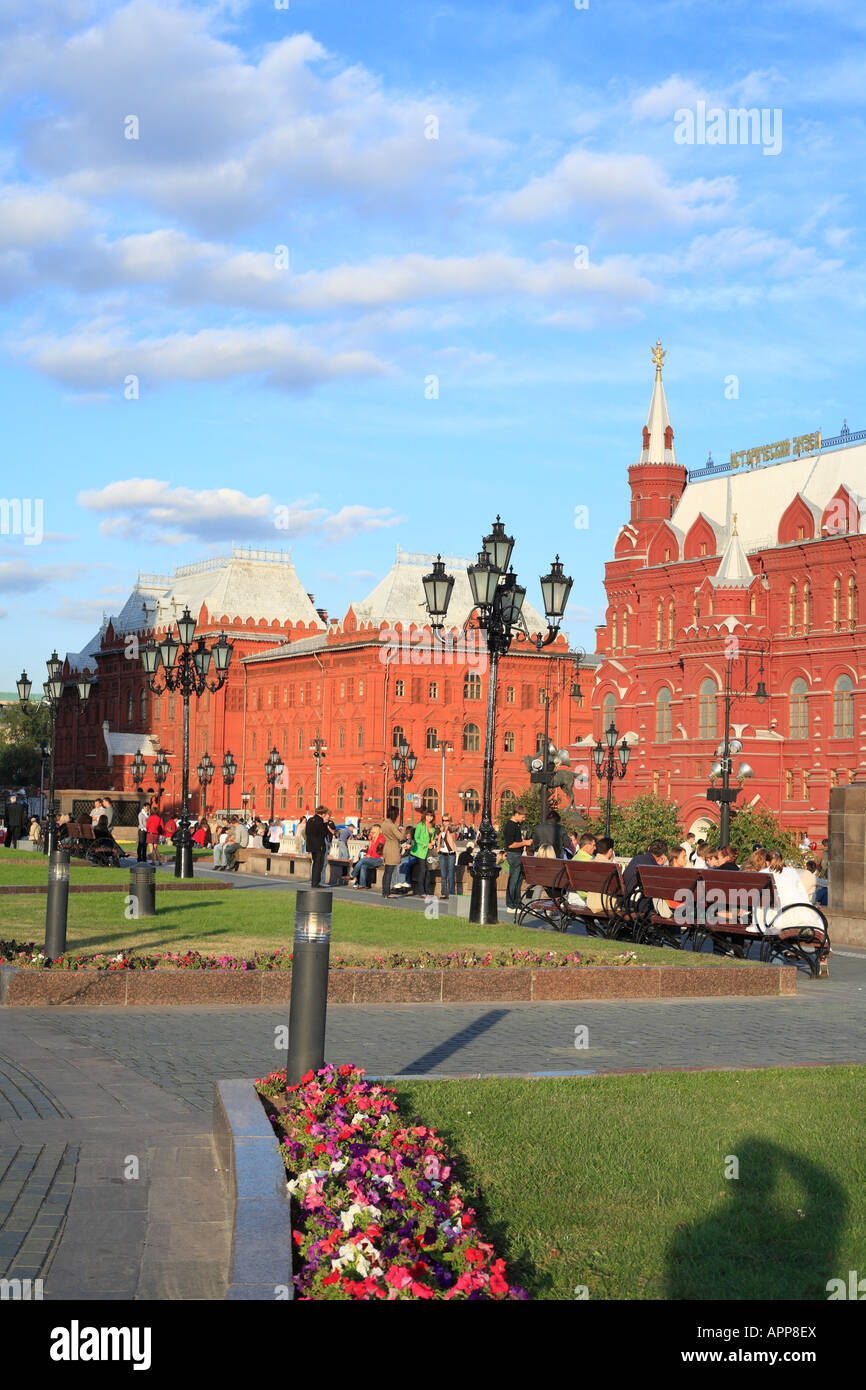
658,354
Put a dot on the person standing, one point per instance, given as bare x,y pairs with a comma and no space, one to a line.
447,858
108,811
14,822
154,829
141,852
392,834
96,812
422,841
516,842
316,834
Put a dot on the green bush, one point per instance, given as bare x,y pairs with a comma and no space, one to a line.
757,827
635,823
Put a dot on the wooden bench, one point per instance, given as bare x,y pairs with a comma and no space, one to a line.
731,909
605,914
547,905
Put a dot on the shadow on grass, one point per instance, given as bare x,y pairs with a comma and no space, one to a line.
758,1244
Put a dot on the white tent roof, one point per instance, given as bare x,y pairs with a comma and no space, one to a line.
399,597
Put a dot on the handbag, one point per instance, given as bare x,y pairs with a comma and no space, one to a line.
432,861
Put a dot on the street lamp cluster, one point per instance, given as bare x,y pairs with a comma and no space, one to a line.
610,763
498,603
53,689
727,750
403,764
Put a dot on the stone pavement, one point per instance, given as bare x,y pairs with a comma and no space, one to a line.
84,1091
108,1183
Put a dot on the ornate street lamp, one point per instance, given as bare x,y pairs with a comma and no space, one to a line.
273,772
160,772
319,752
229,770
610,763
186,664
403,764
443,749
53,689
498,601
138,769
205,771
726,795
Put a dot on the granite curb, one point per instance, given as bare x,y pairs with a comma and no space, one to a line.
183,886
506,984
254,1178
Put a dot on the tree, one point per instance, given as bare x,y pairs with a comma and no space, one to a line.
635,823
21,733
530,802
757,826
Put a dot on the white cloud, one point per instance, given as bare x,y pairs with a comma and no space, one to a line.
147,508
92,359
659,103
33,216
19,576
615,188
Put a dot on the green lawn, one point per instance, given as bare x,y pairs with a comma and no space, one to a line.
250,919
618,1183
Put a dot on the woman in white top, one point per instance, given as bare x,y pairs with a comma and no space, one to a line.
790,893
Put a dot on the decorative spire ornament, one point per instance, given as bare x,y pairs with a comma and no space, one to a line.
658,355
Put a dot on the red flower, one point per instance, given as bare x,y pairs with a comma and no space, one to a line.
297,1238
498,1285
332,1278
473,1255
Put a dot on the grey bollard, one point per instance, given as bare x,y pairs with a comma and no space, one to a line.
309,1002
142,888
57,903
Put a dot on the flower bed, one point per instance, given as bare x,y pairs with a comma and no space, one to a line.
29,956
378,1211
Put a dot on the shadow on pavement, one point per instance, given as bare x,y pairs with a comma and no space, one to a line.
429,1060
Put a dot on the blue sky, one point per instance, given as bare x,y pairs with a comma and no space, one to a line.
262,384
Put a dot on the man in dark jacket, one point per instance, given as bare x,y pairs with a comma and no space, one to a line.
14,822
317,844
656,853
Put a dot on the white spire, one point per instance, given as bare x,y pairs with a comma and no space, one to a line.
734,570
658,437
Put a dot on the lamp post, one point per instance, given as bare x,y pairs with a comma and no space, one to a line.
205,771
610,763
443,749
160,772
728,748
498,602
53,688
185,668
138,769
273,771
541,771
229,769
403,764
43,754
319,752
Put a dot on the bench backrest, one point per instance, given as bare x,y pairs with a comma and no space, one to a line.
543,873
595,876
734,883
658,881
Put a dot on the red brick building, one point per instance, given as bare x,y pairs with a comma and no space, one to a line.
725,560
361,684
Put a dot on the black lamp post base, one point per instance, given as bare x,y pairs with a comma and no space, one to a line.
183,864
483,902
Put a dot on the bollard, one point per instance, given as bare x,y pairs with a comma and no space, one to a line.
142,889
57,903
309,1002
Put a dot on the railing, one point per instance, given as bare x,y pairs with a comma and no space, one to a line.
721,470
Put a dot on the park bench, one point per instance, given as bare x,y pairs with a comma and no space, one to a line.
730,909
604,913
547,905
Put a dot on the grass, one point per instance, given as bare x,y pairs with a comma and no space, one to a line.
248,920
618,1183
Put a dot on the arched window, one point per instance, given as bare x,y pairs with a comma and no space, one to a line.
711,608
430,799
399,689
624,629
394,800
157,711
359,799
843,708
432,738
300,740
396,735
299,797
614,632
792,610
360,735
471,738
852,603
807,606
837,604
340,798
507,802
673,503
472,686
433,690
171,709
799,709
752,598
696,612
539,743
608,712
707,709
789,786
130,704
663,715
672,614
659,621
142,706
472,801
805,787
509,741
509,694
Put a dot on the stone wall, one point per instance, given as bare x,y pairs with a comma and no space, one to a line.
847,888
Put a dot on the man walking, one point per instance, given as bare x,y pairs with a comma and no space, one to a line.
515,843
317,836
143,814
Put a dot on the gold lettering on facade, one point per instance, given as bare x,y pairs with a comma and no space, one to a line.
782,449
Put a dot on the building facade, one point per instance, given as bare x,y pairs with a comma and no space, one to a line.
753,558
362,685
